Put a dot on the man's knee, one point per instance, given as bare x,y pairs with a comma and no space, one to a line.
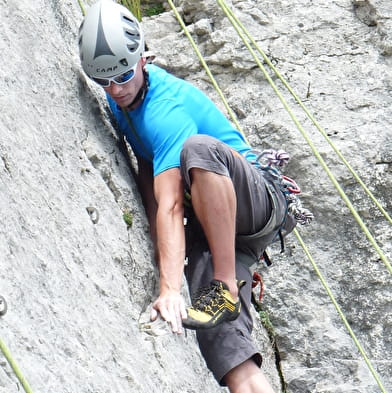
247,378
197,139
203,152
201,145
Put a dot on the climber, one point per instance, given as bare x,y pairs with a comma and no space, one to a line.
185,146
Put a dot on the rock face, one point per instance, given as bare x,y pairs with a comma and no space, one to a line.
78,279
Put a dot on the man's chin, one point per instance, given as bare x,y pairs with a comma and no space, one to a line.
124,104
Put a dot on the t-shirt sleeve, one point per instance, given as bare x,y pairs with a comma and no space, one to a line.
170,126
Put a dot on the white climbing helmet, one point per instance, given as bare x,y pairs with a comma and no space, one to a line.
111,40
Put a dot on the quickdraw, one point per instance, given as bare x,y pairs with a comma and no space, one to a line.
292,186
258,280
270,160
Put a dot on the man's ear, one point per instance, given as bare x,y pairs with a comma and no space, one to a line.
149,56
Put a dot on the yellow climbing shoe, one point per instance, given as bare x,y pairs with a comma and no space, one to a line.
212,306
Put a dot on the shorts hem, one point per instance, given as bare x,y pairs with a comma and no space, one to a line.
256,357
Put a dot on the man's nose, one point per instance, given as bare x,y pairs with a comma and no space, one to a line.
114,88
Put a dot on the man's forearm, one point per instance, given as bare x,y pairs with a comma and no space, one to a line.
171,245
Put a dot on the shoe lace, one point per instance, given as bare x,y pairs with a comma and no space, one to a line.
205,296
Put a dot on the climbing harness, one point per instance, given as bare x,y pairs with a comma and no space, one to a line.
285,215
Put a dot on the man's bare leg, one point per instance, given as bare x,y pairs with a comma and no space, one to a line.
215,204
247,378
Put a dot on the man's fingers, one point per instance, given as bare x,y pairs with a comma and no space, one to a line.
171,317
174,319
165,314
184,314
172,310
153,314
181,314
179,324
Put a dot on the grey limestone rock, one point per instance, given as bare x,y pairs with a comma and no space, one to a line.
78,279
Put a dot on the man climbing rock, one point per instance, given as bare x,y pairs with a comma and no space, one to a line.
186,147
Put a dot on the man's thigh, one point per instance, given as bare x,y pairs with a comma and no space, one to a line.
253,202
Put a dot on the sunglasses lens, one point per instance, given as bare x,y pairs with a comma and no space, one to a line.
124,78
101,81
119,80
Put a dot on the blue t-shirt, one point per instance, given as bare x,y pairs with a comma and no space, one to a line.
171,112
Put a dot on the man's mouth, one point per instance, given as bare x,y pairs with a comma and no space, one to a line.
121,99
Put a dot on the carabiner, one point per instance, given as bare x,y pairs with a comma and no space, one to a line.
292,186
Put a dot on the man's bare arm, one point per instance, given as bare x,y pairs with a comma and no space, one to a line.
169,194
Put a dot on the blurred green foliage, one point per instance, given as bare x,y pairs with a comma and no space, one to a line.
148,8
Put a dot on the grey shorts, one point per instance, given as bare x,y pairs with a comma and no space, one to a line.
229,344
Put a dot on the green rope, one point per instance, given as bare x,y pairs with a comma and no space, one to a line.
14,366
81,5
340,312
312,146
310,116
204,64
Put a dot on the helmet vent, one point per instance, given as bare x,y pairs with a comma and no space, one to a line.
129,21
133,40
132,48
132,34
124,62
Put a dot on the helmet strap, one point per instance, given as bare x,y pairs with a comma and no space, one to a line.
141,93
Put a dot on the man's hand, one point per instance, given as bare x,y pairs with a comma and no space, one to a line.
172,309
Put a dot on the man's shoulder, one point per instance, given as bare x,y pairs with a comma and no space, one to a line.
167,82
